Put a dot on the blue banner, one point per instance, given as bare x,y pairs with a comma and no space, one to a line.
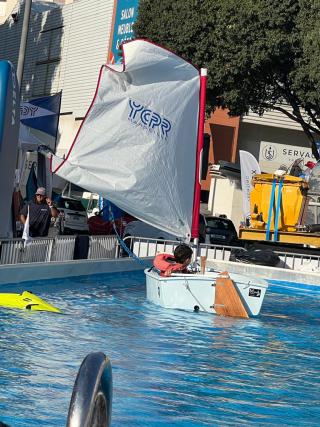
125,17
4,79
42,113
9,101
9,133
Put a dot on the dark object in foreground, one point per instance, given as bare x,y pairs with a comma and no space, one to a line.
255,256
313,228
91,401
81,247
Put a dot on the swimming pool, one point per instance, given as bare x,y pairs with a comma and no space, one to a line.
170,368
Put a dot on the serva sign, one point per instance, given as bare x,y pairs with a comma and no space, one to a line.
272,155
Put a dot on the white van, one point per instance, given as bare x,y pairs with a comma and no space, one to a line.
73,216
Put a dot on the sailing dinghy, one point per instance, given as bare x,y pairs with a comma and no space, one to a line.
139,147
225,294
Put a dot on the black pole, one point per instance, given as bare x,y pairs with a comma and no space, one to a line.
23,41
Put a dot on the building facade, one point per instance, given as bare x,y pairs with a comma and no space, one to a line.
66,47
273,139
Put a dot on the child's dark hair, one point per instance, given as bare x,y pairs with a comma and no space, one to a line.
182,253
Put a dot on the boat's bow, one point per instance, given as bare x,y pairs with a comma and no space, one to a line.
26,301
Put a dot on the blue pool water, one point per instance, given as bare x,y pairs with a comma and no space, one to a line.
170,368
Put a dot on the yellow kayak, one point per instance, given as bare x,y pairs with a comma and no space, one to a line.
26,301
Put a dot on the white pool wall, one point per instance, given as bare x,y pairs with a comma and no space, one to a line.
19,273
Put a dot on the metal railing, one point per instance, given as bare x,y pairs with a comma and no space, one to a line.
299,261
144,247
292,260
13,251
61,248
39,251
217,252
102,247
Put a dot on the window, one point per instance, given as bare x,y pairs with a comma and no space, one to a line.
47,67
73,205
219,224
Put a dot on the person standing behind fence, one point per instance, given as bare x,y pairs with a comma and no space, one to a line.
41,210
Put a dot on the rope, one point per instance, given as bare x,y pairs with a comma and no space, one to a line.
188,289
122,243
139,260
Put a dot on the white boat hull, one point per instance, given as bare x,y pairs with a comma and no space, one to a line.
198,291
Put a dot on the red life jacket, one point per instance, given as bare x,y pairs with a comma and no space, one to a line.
166,266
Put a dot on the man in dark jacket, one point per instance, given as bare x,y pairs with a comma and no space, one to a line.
41,210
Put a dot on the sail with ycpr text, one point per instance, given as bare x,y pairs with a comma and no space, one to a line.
137,144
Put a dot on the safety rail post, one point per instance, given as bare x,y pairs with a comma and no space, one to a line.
165,246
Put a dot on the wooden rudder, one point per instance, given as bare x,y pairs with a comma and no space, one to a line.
227,300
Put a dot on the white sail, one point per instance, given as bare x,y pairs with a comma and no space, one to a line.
249,167
137,144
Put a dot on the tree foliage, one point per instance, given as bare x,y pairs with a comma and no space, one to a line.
260,54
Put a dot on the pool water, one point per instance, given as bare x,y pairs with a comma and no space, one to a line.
170,368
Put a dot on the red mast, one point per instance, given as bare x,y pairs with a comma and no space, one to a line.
197,184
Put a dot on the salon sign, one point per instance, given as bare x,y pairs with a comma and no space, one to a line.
125,16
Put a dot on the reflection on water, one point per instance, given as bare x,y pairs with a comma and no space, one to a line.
170,367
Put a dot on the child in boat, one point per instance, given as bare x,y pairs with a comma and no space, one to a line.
177,263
